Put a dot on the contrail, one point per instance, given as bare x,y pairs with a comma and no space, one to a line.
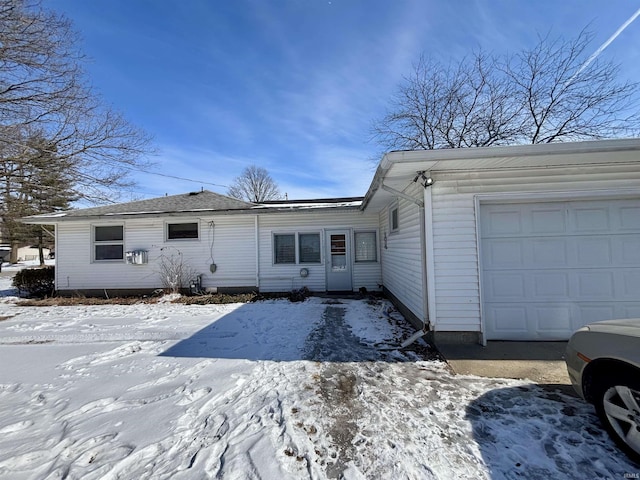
595,54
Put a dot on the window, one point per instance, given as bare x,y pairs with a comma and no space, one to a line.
366,247
182,231
108,242
309,247
393,219
293,248
284,248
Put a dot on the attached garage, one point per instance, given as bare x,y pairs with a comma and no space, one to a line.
550,267
523,242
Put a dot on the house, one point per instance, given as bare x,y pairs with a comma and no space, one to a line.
227,244
499,243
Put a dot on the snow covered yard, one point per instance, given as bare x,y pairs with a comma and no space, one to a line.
269,390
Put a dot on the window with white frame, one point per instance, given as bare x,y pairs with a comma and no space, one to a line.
309,248
294,248
182,231
284,248
393,219
108,242
366,246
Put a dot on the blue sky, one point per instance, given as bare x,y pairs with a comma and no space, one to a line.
294,85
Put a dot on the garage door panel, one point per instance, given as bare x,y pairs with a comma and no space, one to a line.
630,288
595,285
548,220
594,251
499,222
511,319
505,253
628,250
593,312
558,265
549,252
631,311
591,220
551,285
630,218
507,286
552,320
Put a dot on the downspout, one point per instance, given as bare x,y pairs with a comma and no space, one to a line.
426,322
257,233
56,270
429,259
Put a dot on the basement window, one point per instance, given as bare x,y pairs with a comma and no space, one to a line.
108,243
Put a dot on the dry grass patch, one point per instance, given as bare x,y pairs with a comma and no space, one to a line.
73,301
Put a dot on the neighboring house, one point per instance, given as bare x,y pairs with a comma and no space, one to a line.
31,252
512,243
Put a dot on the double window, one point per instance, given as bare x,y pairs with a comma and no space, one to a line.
292,248
108,243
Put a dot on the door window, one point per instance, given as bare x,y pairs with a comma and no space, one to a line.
338,252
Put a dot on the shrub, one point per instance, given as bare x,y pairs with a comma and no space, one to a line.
35,282
299,295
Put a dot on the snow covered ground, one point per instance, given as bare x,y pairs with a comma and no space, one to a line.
269,390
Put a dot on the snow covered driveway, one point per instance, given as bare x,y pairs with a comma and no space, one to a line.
269,390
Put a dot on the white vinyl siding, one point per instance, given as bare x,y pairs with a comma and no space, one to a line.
229,242
282,278
401,255
457,287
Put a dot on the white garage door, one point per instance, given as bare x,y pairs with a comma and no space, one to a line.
549,268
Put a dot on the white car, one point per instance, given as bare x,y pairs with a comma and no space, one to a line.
603,361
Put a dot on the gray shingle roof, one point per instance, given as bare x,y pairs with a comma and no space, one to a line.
186,202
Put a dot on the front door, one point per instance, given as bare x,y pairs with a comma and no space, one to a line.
338,261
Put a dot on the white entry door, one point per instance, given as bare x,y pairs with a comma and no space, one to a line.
549,268
338,261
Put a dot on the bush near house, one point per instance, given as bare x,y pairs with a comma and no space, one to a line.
35,282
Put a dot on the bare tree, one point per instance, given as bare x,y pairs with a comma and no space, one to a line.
52,121
254,185
547,94
44,93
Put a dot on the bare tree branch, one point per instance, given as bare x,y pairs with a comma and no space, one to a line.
545,94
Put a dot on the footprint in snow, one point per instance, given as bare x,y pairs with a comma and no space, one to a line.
191,396
16,427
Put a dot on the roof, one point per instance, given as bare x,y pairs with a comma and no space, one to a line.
398,169
201,201
344,202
